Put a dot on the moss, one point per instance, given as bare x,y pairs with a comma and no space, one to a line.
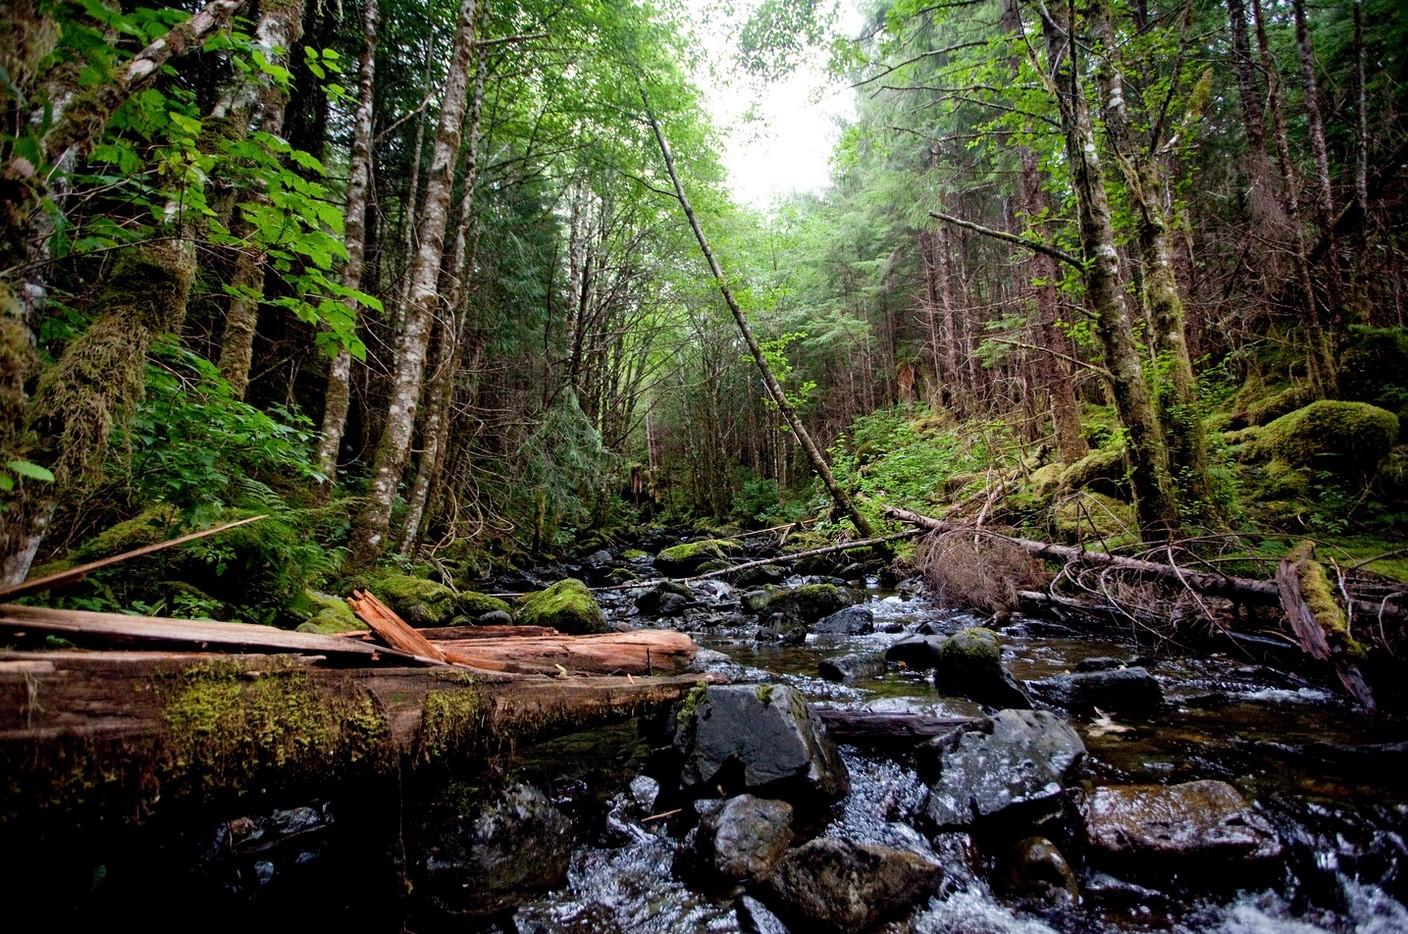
1046,480
634,554
567,605
972,644
1106,464
1319,596
474,604
687,557
1273,407
1094,514
149,527
418,601
452,722
810,602
622,576
1351,439
765,693
684,715
229,728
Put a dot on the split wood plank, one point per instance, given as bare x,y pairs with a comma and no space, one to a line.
385,623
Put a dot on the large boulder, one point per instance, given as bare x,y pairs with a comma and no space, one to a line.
325,614
841,886
1196,827
1018,770
684,559
758,738
1113,690
567,606
852,621
1351,439
970,665
741,839
471,862
916,652
809,603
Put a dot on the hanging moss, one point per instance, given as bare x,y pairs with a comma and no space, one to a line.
452,723
567,606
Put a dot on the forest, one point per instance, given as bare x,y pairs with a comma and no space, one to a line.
1096,334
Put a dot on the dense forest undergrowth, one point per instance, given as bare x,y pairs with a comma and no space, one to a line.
412,280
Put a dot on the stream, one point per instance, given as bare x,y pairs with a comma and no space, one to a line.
1330,781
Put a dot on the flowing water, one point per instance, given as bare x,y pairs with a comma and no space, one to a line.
1333,782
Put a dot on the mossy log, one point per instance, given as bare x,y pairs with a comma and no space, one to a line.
123,736
1317,620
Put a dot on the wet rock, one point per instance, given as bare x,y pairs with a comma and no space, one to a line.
838,885
758,738
1099,663
742,840
644,793
782,631
755,918
471,863
684,559
597,559
852,621
892,628
1195,827
917,653
1037,870
848,669
650,600
713,662
567,606
495,618
970,665
1115,690
757,601
1017,771
760,576
810,602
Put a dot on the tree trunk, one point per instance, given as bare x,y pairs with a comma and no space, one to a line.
337,397
1175,386
370,533
1149,476
839,496
280,27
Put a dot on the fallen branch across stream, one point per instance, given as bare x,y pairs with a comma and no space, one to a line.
761,562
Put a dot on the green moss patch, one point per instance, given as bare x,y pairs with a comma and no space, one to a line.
686,558
1350,439
567,606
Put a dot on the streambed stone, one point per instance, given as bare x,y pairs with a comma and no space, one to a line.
841,886
970,665
740,841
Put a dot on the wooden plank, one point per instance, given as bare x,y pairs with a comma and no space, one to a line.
72,575
392,628
640,652
115,630
450,633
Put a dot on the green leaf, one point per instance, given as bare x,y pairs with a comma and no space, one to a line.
31,470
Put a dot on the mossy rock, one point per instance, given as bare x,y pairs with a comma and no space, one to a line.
1047,480
1351,439
418,601
474,605
1094,515
325,614
810,602
1264,411
622,576
567,606
686,558
973,644
805,541
634,554
757,601
149,527
1104,466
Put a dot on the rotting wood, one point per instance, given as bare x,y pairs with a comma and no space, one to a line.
1318,622
116,630
116,736
390,627
73,575
642,652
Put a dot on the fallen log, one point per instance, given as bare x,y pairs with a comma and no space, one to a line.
1242,589
643,652
891,729
1317,620
117,630
779,559
112,737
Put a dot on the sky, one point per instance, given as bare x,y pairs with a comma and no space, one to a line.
780,135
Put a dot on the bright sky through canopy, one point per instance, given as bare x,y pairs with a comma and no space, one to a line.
779,134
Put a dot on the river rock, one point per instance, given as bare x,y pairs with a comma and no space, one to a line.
810,602
850,668
852,621
567,606
742,840
755,918
1037,870
782,631
471,864
1098,663
843,886
1196,826
495,618
757,601
650,600
758,738
917,653
760,576
1018,770
1112,690
970,665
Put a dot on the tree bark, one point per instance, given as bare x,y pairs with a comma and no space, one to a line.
1149,475
838,494
370,533
337,396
